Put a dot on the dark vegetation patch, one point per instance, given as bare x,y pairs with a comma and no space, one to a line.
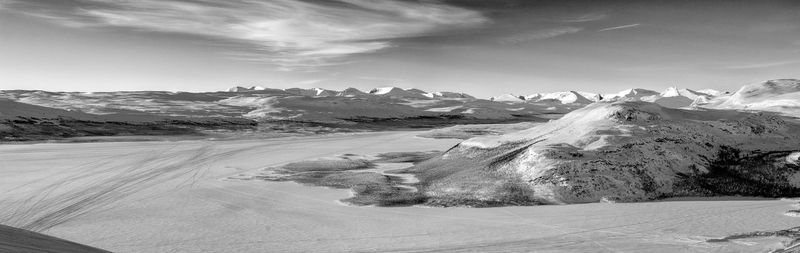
408,123
33,129
434,174
369,188
470,182
407,157
329,165
734,172
791,233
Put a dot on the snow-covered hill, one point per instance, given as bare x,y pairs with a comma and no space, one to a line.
623,151
780,96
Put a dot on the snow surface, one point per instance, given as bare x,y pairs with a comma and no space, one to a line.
567,97
264,106
793,158
444,109
506,98
382,90
711,92
178,197
781,96
635,94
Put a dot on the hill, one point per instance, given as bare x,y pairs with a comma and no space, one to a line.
620,151
780,96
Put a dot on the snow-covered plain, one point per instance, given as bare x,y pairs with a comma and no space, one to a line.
180,197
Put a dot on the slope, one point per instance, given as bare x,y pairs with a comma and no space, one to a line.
23,241
621,151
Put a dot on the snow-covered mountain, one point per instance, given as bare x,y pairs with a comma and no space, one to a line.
630,94
567,97
622,151
447,94
594,97
351,92
508,98
780,96
313,92
395,106
245,89
396,92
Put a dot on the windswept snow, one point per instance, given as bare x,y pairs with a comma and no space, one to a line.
444,109
264,106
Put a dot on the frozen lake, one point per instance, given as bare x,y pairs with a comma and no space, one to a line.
177,197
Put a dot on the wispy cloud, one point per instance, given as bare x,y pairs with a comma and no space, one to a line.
292,34
618,27
762,65
539,35
585,18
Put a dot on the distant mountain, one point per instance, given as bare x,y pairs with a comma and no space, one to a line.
567,97
313,92
634,94
382,108
594,97
245,89
712,92
351,92
780,96
400,93
508,98
447,94
24,122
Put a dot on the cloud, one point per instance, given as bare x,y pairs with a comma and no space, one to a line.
619,27
539,35
585,18
762,65
292,34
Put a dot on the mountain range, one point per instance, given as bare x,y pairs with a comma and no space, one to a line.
380,108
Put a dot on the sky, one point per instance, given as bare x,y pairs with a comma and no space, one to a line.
481,47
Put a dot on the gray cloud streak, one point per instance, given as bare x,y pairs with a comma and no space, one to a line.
619,27
762,65
539,35
291,34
